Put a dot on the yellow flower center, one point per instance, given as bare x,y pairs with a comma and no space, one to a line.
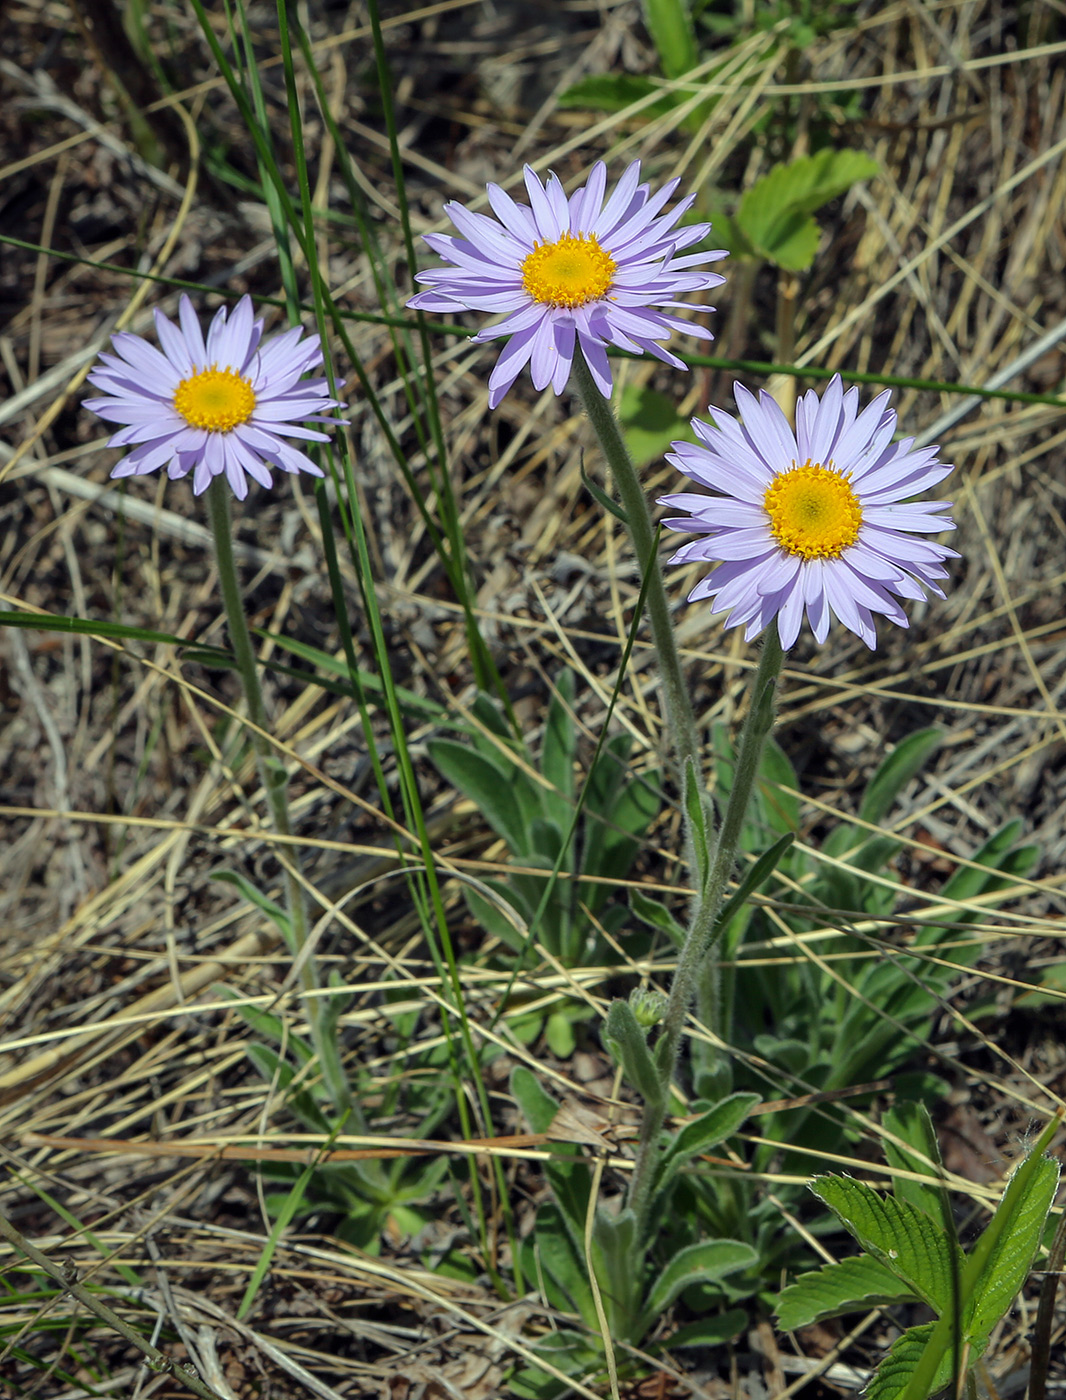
569,272
813,511
215,399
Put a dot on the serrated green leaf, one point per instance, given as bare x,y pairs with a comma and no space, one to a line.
699,1263
899,1236
895,1372
849,1286
774,215
486,783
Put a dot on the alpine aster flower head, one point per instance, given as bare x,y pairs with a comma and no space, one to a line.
570,269
821,520
226,406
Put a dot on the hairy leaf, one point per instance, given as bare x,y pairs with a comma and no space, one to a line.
897,1234
849,1286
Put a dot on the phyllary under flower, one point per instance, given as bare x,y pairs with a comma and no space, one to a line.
224,406
571,271
821,521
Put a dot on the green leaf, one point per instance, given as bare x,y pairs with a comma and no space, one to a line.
708,1332
559,1033
893,774
670,26
895,1372
709,1129
253,895
911,1122
698,1263
613,92
87,627
756,875
627,1042
487,784
338,666
651,912
697,816
907,759
898,1235
650,423
560,742
612,507
1000,1261
538,1106
558,1257
774,215
850,1286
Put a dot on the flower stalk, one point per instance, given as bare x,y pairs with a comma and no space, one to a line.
677,707
274,777
700,937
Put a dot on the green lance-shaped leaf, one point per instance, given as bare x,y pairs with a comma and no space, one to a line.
697,816
775,214
538,1106
849,1286
1001,1259
628,1043
699,1263
756,875
911,1123
892,776
670,26
486,784
651,912
898,1235
703,1133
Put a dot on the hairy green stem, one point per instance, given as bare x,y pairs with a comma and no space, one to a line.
677,707
700,936
274,777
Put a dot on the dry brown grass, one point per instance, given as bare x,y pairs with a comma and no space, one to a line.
118,803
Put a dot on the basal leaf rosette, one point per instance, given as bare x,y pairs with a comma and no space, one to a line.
567,271
821,521
221,406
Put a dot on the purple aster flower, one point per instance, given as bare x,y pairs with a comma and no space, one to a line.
566,270
226,406
821,520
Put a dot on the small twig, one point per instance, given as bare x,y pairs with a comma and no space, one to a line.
66,1278
1040,1359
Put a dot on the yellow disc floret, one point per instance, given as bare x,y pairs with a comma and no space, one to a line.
813,511
215,399
569,272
